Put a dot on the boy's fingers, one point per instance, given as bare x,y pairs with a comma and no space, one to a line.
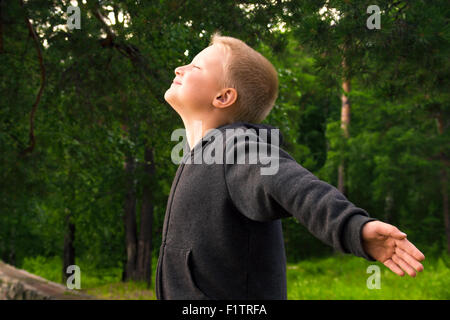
394,267
387,229
398,234
410,249
405,266
409,259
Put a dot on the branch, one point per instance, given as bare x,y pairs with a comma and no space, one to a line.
33,34
392,5
110,35
129,51
400,10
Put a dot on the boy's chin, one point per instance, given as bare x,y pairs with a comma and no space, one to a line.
171,101
168,96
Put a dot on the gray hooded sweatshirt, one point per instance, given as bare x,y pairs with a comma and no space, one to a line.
222,235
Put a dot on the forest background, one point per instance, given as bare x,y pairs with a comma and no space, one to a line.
85,167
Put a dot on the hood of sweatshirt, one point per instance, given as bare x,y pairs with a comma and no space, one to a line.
258,127
264,132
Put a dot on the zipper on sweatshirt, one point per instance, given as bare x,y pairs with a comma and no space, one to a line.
172,194
158,283
169,209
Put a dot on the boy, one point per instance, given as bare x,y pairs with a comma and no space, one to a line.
222,235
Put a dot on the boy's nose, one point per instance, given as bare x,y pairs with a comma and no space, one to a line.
178,71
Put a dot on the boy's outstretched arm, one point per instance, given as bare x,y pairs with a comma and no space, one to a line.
387,244
320,207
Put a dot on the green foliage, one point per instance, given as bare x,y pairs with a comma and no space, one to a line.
47,268
300,244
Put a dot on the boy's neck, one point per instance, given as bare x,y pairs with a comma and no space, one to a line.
196,129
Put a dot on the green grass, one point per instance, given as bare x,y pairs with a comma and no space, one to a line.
338,277
100,283
345,278
122,291
51,269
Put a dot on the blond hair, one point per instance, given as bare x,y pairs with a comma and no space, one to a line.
252,75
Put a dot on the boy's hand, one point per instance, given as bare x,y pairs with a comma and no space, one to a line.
387,244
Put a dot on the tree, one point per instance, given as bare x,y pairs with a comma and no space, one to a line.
401,63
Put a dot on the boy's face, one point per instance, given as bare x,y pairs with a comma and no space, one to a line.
197,84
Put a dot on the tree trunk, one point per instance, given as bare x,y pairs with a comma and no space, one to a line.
345,122
341,179
144,256
69,249
444,183
12,247
388,206
444,190
1,26
130,220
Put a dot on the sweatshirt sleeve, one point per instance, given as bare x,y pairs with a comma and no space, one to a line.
294,191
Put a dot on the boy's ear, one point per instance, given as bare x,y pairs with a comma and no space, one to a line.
225,98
